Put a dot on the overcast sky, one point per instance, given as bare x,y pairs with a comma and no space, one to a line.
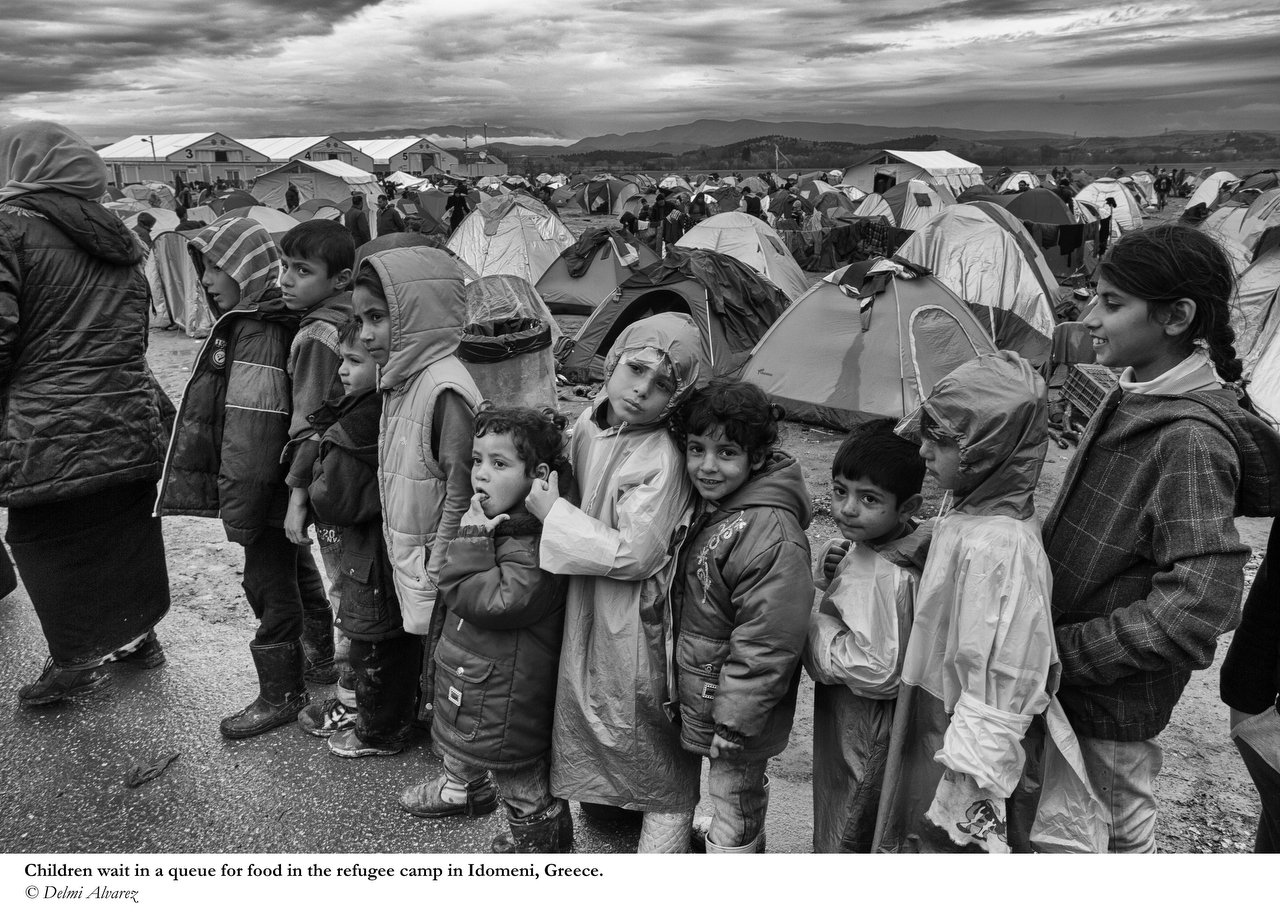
568,69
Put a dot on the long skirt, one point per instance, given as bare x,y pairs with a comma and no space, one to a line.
94,568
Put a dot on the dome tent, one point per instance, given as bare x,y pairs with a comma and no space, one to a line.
591,270
1126,215
178,296
980,257
752,242
511,234
730,302
331,179
866,341
608,196
909,205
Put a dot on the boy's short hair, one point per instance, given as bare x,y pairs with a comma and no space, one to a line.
349,333
368,278
874,453
325,241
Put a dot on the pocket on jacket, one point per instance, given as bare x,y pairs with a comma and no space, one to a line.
362,601
462,679
698,663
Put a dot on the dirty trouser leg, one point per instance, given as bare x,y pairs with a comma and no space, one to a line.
386,681
270,583
739,799
526,790
1124,774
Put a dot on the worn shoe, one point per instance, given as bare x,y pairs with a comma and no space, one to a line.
348,745
425,801
281,693
147,656
324,719
56,684
550,831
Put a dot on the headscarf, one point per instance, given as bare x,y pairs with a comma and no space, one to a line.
45,156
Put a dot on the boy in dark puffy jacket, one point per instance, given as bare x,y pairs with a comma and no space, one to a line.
372,714
743,600
224,458
499,653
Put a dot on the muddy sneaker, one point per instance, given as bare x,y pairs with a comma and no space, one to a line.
426,800
56,684
348,745
147,656
324,719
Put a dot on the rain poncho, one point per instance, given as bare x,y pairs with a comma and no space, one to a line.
614,741
981,661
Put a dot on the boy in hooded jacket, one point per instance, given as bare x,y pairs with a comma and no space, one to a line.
224,459
980,662
742,598
411,306
614,742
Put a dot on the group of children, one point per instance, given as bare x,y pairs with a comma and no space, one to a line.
587,617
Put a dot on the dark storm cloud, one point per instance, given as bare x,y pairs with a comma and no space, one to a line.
844,49
1181,51
970,9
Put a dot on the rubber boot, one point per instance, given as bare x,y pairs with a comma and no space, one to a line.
548,831
755,845
317,644
665,834
281,691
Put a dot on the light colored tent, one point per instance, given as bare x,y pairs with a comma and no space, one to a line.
865,341
1246,223
1138,190
611,260
937,167
1013,180
404,178
511,234
331,179
674,181
176,293
277,223
980,257
910,204
754,243
165,219
1125,216
1252,315
609,196
731,304
145,191
1146,182
1210,188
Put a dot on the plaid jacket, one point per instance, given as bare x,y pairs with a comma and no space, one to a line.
1147,565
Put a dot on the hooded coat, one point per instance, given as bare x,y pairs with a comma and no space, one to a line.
81,411
224,457
614,740
424,492
1148,569
981,656
743,600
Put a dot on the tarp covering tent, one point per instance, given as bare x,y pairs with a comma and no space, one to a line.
1209,189
591,270
981,259
729,302
909,204
609,196
937,167
511,234
752,242
865,341
1125,216
177,295
331,179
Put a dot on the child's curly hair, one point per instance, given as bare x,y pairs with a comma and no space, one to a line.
741,410
538,434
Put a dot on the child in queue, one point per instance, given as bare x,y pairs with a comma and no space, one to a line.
499,651
858,635
1147,563
372,714
614,743
743,598
980,659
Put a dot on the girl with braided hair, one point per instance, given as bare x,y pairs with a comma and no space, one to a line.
1147,564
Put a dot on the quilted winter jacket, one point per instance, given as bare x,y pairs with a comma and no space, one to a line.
495,686
79,411
224,457
426,307
744,601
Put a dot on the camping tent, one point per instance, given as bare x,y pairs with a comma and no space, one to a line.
674,181
729,302
1125,216
332,179
1146,183
1046,217
165,219
405,178
591,270
1210,188
1247,223
608,196
1013,180
1252,313
936,167
907,205
979,255
867,340
752,242
176,292
511,234
277,223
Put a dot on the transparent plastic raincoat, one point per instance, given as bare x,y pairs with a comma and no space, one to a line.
614,740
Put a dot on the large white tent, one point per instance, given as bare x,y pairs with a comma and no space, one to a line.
333,180
937,167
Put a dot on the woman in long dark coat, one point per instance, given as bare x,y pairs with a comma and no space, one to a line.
81,429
